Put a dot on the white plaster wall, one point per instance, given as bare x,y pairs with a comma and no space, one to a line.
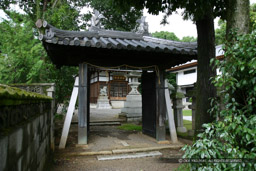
103,79
187,78
219,50
218,72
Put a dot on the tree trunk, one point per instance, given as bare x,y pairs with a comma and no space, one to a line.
238,16
206,51
238,19
45,5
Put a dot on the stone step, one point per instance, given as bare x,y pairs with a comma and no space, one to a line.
106,123
107,120
129,156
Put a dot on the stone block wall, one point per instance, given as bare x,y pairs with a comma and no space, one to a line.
25,130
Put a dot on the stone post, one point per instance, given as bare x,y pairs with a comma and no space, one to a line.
133,104
192,94
51,92
177,107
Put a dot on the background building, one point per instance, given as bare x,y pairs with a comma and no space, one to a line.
186,74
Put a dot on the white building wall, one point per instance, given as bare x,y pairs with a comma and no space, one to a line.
186,79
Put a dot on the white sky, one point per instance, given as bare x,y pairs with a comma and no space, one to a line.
176,24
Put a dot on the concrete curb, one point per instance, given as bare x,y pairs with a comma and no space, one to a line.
120,151
90,153
146,149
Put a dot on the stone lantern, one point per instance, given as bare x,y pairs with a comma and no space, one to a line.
133,104
177,108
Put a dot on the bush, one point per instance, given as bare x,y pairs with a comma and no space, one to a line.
233,134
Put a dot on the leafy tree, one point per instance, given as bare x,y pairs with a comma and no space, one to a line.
166,35
36,8
238,19
115,19
171,36
220,33
252,17
23,58
171,77
22,54
188,39
232,136
63,16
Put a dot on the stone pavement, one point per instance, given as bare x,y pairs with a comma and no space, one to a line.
100,115
107,138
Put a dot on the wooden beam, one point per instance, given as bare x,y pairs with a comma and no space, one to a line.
68,118
171,122
160,106
83,104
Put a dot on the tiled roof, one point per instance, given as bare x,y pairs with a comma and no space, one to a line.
109,48
115,40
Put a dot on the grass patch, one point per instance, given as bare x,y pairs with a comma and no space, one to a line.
58,116
187,112
130,127
187,124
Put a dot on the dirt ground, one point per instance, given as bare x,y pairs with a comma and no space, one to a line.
90,163
106,138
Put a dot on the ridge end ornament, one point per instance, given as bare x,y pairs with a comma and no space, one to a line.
96,21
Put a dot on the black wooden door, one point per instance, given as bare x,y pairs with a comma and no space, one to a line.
148,85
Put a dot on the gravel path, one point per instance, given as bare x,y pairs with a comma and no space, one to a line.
90,163
107,138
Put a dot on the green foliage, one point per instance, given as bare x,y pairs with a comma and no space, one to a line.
220,33
165,35
253,17
124,20
22,55
63,16
130,127
171,36
58,117
188,39
233,135
171,77
23,58
36,8
193,9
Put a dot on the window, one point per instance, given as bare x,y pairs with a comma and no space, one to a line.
118,89
189,71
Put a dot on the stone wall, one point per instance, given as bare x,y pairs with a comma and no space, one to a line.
25,129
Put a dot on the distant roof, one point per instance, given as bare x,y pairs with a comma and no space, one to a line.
188,65
113,48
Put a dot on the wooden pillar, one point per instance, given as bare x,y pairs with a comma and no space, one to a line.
160,106
83,104
153,104
88,101
148,86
